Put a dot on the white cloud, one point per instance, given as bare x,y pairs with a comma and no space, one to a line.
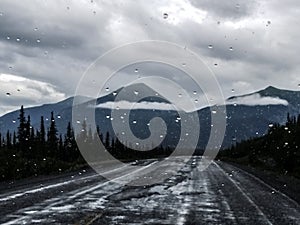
138,105
256,99
17,89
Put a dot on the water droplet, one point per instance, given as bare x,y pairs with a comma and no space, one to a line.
136,70
76,121
44,159
234,104
210,46
68,8
137,143
232,90
216,64
213,111
111,118
122,117
114,93
10,67
58,116
273,192
1,13
165,15
230,48
18,39
117,108
179,95
35,29
218,22
194,92
123,133
107,117
8,38
8,94
14,121
161,136
136,92
107,89
94,12
196,101
237,6
38,41
269,22
271,125
18,90
186,134
183,64
134,122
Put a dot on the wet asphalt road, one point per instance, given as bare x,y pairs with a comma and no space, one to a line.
221,194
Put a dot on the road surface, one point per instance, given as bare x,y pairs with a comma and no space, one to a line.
222,194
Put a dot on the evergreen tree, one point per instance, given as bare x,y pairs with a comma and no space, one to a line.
22,128
107,141
42,131
52,137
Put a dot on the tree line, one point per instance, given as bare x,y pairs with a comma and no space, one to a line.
33,151
278,149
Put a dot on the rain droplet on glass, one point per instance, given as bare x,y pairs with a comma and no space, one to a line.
134,122
107,89
8,94
210,46
230,48
136,70
136,92
165,15
38,40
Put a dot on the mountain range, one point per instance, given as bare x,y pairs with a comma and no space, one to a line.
248,115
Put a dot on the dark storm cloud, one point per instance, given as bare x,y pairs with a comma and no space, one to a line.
231,9
58,40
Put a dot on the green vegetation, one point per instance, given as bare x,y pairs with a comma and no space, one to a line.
32,152
278,150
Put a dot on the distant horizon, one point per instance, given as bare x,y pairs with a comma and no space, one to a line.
228,101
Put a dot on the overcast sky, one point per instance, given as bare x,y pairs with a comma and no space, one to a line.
46,45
